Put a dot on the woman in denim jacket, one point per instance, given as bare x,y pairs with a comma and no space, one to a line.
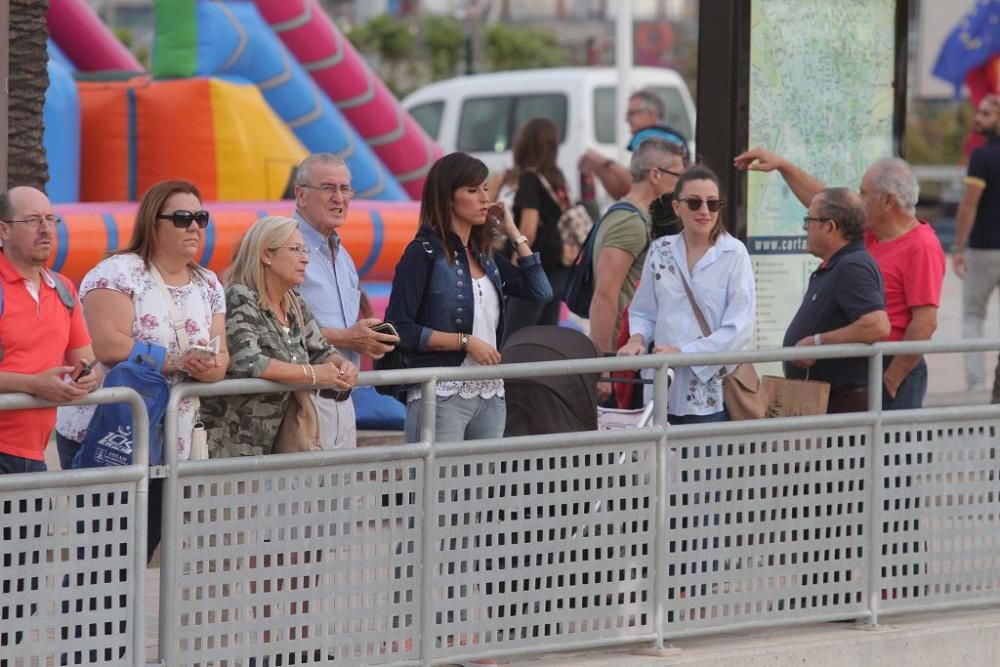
448,296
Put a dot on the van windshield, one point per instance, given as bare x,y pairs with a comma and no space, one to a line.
488,124
428,116
605,119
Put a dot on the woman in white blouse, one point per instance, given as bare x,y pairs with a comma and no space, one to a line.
717,268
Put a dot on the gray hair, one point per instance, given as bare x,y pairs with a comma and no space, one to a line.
650,154
651,101
303,176
893,176
844,207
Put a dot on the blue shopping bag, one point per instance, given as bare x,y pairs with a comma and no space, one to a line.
109,440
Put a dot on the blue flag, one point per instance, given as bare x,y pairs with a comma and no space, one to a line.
970,44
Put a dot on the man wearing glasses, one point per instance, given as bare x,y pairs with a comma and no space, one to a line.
644,116
323,194
906,250
44,344
845,300
622,237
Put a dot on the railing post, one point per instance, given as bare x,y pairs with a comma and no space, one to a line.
428,434
140,435
660,530
875,494
168,534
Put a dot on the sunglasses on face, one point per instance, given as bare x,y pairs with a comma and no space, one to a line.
694,203
183,219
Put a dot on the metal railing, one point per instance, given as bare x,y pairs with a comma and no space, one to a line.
72,546
411,554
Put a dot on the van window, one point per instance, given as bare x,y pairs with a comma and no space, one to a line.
605,119
488,124
428,116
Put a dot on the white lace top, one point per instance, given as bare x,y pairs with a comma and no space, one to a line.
484,327
196,302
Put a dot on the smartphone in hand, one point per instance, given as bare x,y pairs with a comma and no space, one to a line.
85,370
209,350
385,328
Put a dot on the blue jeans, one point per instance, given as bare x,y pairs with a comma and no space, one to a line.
67,450
911,390
458,418
10,464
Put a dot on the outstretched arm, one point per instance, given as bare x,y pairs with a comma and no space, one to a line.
803,185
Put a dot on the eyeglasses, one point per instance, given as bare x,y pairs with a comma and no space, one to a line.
329,189
807,219
299,249
35,221
182,219
669,171
632,112
694,203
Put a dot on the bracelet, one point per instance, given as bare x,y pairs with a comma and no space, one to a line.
312,373
463,342
305,373
817,339
519,240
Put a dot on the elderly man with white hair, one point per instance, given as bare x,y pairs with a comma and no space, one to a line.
908,254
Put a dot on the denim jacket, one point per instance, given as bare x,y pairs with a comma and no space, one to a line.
429,294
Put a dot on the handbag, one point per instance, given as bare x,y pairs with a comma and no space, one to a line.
574,224
742,392
109,440
795,398
299,428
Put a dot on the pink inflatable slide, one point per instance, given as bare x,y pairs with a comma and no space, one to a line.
339,70
85,40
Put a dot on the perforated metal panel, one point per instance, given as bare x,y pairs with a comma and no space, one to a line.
300,565
940,538
542,547
765,528
67,575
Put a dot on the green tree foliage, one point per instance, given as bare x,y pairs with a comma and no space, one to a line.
509,48
443,39
383,36
935,133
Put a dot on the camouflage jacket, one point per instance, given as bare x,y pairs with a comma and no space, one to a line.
246,425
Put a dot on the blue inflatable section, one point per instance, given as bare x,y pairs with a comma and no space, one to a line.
233,40
62,130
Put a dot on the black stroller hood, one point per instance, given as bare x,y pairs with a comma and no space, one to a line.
550,404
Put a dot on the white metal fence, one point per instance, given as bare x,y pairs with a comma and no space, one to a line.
412,554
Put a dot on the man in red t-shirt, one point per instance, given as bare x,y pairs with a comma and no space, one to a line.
44,343
908,254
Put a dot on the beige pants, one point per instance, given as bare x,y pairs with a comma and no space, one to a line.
338,427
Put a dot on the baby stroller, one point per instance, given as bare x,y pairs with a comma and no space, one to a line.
556,404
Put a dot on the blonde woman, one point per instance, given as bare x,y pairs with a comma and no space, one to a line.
272,335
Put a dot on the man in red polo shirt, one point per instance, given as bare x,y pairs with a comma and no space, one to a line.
43,342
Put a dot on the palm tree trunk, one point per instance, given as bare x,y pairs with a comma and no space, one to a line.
29,78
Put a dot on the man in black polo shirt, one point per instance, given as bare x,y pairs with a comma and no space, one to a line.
845,300
978,222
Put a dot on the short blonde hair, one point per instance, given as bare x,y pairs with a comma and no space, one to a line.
248,261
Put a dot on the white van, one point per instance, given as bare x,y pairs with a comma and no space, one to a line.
479,114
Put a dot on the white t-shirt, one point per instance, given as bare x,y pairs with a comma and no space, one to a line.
197,302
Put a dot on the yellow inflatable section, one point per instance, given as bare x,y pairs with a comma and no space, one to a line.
221,135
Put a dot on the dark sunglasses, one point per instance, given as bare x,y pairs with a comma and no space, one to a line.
694,203
183,219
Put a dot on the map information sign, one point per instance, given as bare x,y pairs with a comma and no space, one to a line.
821,94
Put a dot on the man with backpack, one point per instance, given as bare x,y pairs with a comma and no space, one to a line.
44,345
621,238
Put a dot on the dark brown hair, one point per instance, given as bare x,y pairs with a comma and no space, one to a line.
143,241
700,172
536,147
453,171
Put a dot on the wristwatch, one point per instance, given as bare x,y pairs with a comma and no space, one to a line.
817,339
519,240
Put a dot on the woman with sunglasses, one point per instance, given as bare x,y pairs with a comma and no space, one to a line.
124,301
716,267
273,336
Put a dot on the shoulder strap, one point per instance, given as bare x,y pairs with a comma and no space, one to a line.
548,188
176,321
694,304
62,289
